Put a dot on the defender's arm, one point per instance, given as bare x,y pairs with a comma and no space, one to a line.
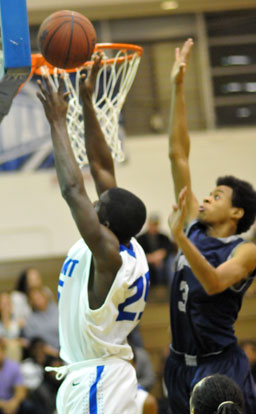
179,141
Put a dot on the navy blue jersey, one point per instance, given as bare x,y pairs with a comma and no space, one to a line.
202,324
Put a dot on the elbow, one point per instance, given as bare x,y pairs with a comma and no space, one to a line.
176,156
70,191
213,289
173,155
210,291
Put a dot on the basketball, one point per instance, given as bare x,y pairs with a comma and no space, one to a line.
66,39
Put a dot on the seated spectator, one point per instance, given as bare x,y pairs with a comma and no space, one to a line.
45,394
160,252
28,279
10,327
32,367
250,235
135,337
12,390
249,347
144,368
216,394
146,403
43,321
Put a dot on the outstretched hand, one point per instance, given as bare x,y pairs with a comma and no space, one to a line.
181,61
55,103
177,218
87,83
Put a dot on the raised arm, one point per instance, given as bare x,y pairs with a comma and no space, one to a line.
99,156
101,241
179,141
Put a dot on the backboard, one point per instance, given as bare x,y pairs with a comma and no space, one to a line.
15,53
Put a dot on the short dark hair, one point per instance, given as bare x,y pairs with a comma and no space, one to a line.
125,212
21,284
213,391
244,197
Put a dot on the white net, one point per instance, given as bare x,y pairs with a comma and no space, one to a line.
113,83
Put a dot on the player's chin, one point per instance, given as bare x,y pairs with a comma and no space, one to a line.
202,218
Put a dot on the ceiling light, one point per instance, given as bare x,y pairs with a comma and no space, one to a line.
169,5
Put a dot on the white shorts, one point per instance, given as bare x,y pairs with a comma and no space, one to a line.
107,387
140,399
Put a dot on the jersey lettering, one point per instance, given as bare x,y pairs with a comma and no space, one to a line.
125,315
67,270
184,289
69,265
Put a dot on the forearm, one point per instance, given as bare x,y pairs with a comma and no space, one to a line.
179,142
12,405
202,269
68,171
19,395
96,146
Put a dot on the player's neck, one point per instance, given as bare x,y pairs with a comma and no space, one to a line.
221,229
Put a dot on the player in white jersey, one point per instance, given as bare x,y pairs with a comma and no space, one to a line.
104,281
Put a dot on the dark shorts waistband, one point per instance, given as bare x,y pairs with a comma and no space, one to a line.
195,360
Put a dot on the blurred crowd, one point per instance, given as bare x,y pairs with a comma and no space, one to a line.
29,341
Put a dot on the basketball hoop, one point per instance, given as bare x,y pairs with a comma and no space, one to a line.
116,75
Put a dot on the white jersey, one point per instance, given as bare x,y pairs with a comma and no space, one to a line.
90,334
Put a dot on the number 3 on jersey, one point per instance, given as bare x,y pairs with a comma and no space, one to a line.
141,284
184,289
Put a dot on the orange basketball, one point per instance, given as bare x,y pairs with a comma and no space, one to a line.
66,39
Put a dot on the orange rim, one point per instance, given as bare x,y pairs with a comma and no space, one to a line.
37,60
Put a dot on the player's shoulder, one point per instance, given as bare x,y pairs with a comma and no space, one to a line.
246,248
78,246
245,253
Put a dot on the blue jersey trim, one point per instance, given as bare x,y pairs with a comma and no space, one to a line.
93,391
129,249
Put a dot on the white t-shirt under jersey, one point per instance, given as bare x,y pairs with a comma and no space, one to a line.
90,334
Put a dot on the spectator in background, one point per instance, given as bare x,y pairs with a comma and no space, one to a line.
28,279
12,390
146,403
250,235
43,321
144,368
10,327
160,251
45,394
216,394
32,367
249,347
42,386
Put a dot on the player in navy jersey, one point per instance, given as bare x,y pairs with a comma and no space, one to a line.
104,281
214,268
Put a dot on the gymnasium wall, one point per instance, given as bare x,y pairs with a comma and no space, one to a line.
35,221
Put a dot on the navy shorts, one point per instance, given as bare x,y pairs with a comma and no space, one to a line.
180,377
